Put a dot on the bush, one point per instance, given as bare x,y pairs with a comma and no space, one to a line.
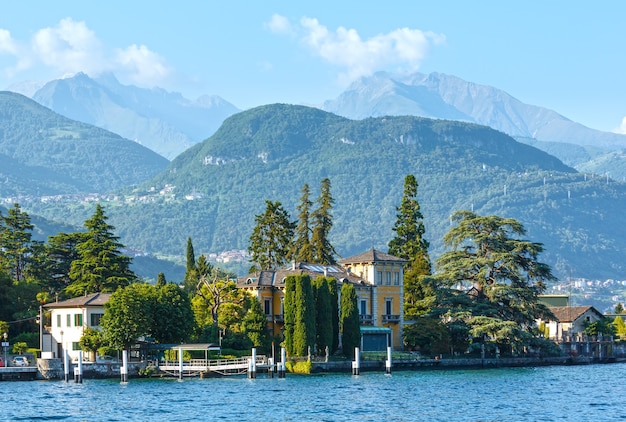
20,347
302,367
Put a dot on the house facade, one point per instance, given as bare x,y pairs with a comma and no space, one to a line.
571,321
68,320
378,281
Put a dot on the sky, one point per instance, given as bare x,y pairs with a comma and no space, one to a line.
568,56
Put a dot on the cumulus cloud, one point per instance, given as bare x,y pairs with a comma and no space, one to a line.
402,49
279,25
622,128
71,46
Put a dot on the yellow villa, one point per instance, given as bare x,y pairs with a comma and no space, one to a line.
377,278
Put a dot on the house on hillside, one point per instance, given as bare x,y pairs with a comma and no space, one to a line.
571,321
378,281
68,319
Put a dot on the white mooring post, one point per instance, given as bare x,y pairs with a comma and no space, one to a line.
78,371
252,367
282,367
356,364
388,361
270,369
66,365
124,367
180,363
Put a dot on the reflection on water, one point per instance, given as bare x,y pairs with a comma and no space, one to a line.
520,394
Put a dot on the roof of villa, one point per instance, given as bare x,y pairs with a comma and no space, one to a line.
372,256
94,299
277,277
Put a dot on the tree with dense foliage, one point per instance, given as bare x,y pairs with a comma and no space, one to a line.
15,241
271,238
255,327
619,308
161,281
101,267
603,326
304,321
350,321
128,315
173,319
323,316
333,292
191,273
323,251
301,248
409,244
289,313
62,250
504,272
620,327
91,341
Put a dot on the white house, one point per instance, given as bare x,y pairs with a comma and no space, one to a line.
571,321
68,319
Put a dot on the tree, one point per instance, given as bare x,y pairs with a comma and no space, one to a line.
15,241
409,244
101,266
619,308
271,238
255,326
128,315
334,307
173,319
323,315
191,274
301,248
91,341
428,336
289,313
503,270
620,327
304,321
350,322
161,281
61,251
323,251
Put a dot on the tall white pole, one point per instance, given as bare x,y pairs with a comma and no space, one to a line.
124,368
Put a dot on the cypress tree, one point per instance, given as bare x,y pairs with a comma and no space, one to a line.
289,312
323,316
191,273
350,328
304,323
333,292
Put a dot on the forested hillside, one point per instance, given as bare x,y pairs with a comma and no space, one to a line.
212,191
44,153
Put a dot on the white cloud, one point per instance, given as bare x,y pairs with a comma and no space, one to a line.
279,25
142,66
622,128
71,46
402,49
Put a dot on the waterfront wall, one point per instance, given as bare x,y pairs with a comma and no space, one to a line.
52,369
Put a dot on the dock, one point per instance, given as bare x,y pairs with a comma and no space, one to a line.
204,367
18,373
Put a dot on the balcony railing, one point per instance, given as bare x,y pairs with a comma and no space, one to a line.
275,318
391,318
365,318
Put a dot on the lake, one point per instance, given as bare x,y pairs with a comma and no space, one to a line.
589,392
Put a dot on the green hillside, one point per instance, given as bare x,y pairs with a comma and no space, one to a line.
270,152
44,153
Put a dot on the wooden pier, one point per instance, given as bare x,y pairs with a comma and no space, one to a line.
204,367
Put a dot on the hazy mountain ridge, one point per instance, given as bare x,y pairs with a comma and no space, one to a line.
165,122
448,97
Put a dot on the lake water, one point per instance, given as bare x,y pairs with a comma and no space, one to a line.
572,393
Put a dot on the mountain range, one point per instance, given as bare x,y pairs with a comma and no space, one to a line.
165,122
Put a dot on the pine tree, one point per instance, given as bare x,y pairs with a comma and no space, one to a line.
271,238
101,266
323,251
15,241
350,322
301,249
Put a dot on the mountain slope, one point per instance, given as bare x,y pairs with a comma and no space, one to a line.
443,96
212,191
44,153
165,122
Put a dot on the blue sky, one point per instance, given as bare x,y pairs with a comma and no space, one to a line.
563,55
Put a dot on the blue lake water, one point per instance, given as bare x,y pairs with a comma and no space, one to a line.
557,393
